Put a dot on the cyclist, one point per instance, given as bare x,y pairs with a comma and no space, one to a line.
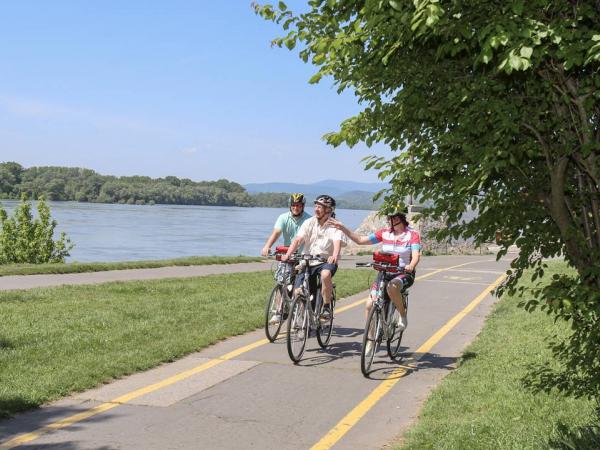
401,239
287,224
319,238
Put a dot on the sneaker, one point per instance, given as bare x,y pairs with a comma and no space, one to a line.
326,313
275,318
402,322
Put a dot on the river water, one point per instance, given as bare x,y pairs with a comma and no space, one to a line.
111,232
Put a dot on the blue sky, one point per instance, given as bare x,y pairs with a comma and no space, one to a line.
185,88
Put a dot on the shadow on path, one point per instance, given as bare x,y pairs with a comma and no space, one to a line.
39,418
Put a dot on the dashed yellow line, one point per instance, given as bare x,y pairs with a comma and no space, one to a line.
344,425
28,437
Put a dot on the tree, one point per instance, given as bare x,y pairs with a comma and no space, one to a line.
24,239
492,106
10,175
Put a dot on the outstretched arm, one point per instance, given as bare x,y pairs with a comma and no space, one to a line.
361,240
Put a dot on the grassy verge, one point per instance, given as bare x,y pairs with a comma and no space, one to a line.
55,341
483,404
33,269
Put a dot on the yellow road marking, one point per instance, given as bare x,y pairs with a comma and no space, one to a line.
344,425
28,437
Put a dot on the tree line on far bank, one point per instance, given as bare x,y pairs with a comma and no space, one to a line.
85,185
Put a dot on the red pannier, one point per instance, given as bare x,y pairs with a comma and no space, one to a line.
279,251
387,258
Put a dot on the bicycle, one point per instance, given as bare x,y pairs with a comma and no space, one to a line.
382,319
305,314
279,301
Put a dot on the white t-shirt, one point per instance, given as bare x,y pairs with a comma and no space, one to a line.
318,240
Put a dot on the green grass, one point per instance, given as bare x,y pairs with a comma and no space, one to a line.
484,405
55,341
32,269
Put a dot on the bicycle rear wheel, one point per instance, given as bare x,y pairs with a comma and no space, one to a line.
274,310
371,340
325,328
297,329
394,334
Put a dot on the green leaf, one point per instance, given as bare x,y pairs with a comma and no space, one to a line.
517,7
526,52
315,78
486,54
290,43
394,4
282,6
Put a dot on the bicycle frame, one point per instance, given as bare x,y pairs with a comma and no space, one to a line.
305,290
279,301
380,323
305,316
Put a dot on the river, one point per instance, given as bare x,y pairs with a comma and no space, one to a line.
112,232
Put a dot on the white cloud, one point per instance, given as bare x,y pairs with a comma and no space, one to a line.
189,151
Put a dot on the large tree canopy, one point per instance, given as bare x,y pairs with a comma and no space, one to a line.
492,106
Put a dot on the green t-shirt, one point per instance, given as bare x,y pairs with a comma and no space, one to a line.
289,225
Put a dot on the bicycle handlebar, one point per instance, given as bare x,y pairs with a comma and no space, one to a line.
292,259
295,257
382,266
308,257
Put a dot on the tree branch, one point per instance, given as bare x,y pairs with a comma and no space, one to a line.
558,211
545,147
583,116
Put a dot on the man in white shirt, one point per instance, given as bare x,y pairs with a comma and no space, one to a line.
319,238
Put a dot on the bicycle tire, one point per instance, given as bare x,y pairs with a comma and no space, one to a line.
297,329
324,329
272,329
395,335
372,336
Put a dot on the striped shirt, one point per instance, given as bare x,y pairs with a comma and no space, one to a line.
403,244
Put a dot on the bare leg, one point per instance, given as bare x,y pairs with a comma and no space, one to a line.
326,286
394,290
368,306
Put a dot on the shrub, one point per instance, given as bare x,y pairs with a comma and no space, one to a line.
24,239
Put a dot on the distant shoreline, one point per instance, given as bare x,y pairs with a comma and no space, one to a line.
171,204
87,186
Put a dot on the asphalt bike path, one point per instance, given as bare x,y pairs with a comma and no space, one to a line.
246,393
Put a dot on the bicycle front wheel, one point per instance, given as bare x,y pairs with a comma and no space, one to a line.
274,312
325,328
297,329
371,340
395,334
